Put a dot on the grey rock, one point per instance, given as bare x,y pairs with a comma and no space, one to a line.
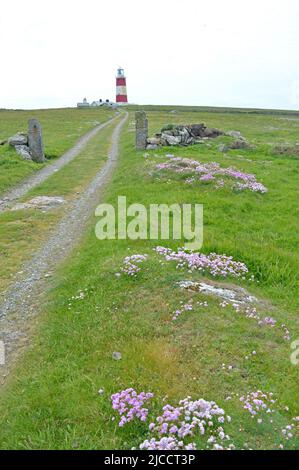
186,138
18,139
197,130
234,294
23,151
211,133
35,141
152,147
116,356
171,139
236,145
40,202
154,140
223,148
239,144
235,135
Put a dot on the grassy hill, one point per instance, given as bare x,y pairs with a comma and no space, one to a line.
59,396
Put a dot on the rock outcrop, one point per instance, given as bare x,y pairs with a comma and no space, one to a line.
18,139
23,151
40,202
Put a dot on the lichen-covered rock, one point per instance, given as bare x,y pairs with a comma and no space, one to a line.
154,140
23,151
230,293
239,144
152,147
172,139
235,135
211,132
197,130
18,139
40,202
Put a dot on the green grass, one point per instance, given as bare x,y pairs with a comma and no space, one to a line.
52,399
21,232
61,129
213,109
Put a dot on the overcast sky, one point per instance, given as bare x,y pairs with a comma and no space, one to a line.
193,52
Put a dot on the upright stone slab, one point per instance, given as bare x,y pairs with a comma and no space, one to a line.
35,141
141,130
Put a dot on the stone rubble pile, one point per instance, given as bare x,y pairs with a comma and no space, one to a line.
183,135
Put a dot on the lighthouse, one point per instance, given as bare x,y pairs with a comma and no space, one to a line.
121,87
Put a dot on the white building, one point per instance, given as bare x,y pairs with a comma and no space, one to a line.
94,104
84,104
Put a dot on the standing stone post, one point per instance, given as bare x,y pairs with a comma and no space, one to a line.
35,141
141,130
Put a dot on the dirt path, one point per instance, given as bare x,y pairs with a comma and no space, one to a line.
23,298
9,198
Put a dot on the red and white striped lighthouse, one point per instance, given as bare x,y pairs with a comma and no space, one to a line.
121,87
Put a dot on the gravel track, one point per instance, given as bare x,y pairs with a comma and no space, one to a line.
23,298
9,197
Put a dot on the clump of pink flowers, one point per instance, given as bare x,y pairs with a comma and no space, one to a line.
253,186
291,429
214,264
129,405
188,419
130,264
258,402
211,172
185,308
165,443
267,321
252,313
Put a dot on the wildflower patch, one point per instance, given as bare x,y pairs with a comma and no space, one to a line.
130,264
201,424
130,405
213,263
211,173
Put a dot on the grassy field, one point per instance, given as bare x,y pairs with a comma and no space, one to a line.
23,231
211,352
61,128
213,109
